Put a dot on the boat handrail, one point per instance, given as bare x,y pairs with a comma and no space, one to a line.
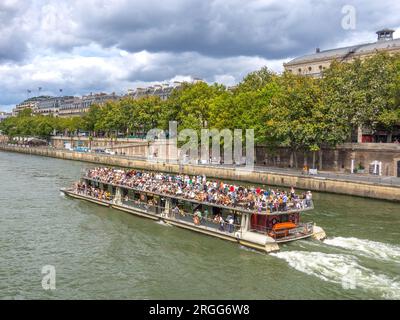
240,209
169,213
306,227
86,194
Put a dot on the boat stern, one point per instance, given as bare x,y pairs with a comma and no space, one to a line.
318,233
259,241
271,247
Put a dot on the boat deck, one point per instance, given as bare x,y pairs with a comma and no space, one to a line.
233,208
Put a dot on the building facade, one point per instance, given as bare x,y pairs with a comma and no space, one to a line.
47,107
315,64
74,106
30,103
163,91
69,106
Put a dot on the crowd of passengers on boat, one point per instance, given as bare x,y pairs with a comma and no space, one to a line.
91,191
200,189
199,217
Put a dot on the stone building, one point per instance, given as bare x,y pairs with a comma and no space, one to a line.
48,106
163,91
314,64
31,103
74,106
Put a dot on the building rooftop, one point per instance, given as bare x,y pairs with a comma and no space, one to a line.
385,41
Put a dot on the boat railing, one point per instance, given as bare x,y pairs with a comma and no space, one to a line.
209,223
305,205
89,194
192,218
302,228
150,208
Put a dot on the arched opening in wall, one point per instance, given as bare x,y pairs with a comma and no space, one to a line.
309,69
299,70
398,169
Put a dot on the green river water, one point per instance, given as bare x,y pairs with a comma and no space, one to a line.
101,253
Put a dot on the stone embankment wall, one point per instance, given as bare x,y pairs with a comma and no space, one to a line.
363,189
338,159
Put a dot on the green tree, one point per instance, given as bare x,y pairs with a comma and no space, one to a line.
290,118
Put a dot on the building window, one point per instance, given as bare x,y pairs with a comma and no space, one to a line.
309,69
320,67
299,70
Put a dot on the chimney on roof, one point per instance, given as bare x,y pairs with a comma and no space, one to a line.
318,50
385,34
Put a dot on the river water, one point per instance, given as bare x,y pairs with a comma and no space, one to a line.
102,253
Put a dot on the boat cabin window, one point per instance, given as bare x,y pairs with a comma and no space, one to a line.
284,218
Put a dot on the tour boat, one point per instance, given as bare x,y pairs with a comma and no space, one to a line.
254,228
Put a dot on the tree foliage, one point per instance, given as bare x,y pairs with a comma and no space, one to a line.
298,112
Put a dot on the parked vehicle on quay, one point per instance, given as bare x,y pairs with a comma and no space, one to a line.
81,149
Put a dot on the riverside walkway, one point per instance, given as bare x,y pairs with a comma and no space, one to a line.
355,177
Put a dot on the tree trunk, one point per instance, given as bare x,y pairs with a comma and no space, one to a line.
305,162
291,159
320,158
359,134
313,159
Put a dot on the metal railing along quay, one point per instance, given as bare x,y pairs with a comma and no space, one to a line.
321,175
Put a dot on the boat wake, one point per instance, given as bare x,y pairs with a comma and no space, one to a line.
367,248
341,269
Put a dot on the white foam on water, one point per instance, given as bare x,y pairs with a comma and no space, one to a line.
367,248
341,269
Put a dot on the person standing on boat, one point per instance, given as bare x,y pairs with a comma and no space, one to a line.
292,192
230,223
206,214
221,223
175,211
284,202
308,198
271,203
197,217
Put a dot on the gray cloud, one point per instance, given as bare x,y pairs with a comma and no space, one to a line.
75,45
167,65
13,46
272,29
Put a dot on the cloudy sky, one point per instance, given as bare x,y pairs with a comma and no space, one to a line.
85,46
